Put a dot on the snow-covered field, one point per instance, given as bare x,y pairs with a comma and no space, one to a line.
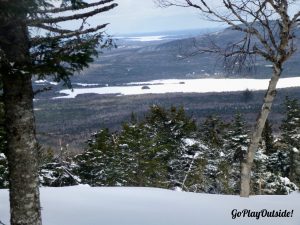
83,205
184,86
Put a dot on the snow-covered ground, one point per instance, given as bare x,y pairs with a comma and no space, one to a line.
184,86
83,205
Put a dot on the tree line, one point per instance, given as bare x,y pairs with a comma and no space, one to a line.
167,149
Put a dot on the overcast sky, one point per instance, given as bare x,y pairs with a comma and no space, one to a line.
140,16
136,16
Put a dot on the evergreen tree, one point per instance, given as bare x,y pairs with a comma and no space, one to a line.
235,149
278,185
268,138
193,163
99,165
247,95
152,152
141,167
3,171
58,173
163,150
290,132
223,177
260,174
270,174
168,130
57,51
212,131
279,162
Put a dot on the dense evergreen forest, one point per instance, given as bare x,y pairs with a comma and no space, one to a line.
167,149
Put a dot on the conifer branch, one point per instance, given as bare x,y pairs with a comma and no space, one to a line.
39,40
68,8
53,29
34,22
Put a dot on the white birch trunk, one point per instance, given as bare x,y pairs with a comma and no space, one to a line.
256,136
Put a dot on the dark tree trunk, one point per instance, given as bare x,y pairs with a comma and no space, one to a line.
22,153
20,124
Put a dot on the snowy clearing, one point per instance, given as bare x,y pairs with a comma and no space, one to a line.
83,205
184,86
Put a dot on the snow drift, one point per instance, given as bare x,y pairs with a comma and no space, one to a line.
84,205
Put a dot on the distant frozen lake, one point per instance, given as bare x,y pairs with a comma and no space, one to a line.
181,86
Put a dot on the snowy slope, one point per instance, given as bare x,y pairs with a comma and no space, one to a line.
83,205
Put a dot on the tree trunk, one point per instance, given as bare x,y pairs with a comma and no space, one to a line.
20,124
256,136
22,151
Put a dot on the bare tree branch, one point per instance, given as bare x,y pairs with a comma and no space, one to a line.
296,17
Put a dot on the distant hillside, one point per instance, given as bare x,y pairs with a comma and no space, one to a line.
167,58
75,119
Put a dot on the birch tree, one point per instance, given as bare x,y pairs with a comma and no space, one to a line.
268,29
35,43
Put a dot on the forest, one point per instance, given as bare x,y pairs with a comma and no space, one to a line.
167,149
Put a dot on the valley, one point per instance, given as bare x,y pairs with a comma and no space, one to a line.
157,58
